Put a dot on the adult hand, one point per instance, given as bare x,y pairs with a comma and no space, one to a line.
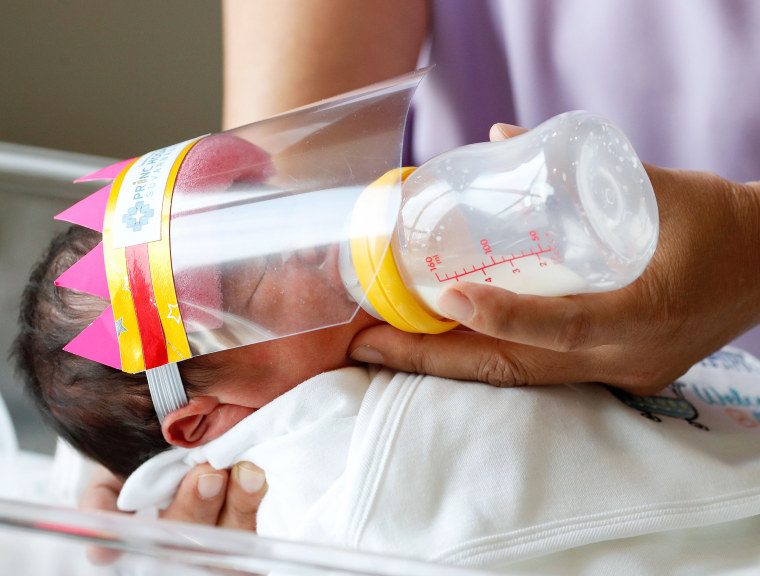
700,291
227,498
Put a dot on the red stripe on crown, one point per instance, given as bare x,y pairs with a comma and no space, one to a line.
148,320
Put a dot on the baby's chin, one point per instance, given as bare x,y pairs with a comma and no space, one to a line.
361,321
334,342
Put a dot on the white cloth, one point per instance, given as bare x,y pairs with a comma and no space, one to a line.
469,474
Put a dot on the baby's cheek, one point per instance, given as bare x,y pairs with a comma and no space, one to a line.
239,284
317,296
286,298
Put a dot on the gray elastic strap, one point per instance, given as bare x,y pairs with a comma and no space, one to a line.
166,389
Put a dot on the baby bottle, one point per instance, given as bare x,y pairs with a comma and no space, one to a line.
566,208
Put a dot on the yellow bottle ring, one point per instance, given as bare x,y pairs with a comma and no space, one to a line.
376,267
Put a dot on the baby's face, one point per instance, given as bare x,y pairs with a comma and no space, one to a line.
254,256
254,375
287,294
263,298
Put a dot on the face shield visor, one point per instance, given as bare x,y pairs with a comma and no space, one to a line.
242,236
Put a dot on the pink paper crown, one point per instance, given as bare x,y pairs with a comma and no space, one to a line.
99,341
143,327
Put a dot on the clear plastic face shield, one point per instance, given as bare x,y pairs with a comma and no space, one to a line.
257,241
243,236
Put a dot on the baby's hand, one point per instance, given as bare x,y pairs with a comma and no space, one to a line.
101,495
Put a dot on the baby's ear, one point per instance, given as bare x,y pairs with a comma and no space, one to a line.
189,425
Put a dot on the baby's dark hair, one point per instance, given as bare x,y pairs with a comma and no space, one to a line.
104,413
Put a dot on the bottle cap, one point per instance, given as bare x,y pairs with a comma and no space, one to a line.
376,267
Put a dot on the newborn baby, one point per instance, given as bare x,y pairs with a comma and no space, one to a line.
107,414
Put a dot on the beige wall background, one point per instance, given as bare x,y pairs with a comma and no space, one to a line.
109,78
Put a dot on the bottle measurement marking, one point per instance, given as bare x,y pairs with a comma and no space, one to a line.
494,262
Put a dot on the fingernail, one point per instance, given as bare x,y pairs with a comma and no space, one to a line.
210,486
250,477
456,305
367,354
498,132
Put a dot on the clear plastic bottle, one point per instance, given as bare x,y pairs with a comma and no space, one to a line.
566,208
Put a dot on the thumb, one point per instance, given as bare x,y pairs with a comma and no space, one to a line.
438,355
501,131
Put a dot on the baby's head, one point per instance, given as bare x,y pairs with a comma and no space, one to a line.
107,414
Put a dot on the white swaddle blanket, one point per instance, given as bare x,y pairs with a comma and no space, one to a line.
469,474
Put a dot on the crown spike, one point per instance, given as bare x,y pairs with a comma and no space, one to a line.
107,173
98,342
88,274
89,212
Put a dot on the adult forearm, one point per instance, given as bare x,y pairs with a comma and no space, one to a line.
286,53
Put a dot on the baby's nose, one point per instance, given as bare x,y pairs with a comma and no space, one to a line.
311,256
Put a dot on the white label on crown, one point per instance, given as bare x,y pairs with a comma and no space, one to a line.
137,216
